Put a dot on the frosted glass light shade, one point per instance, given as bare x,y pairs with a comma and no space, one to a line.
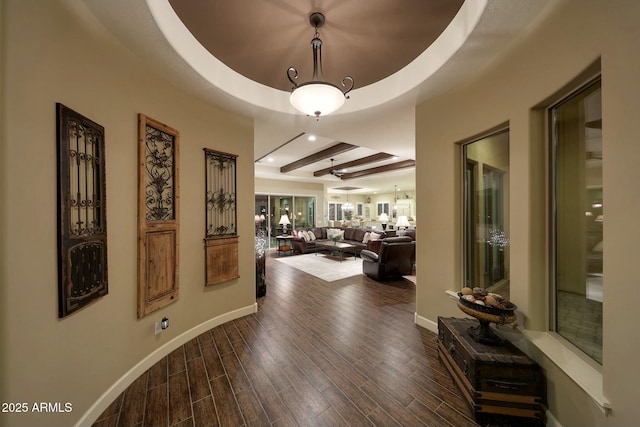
317,98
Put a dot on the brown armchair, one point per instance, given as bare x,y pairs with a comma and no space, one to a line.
395,259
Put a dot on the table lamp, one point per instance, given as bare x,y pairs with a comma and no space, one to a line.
402,224
284,220
383,218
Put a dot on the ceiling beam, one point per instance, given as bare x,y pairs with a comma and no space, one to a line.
363,161
340,147
380,169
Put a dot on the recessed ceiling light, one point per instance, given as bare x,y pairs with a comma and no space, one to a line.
270,159
311,138
395,158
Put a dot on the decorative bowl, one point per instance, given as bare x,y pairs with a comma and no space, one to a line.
486,315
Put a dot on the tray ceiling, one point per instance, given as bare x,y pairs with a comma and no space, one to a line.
368,40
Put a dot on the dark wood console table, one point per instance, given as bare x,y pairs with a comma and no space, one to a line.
284,244
501,384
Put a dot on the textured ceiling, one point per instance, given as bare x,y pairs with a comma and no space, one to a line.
367,40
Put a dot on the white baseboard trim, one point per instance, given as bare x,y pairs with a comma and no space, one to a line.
551,420
425,323
141,367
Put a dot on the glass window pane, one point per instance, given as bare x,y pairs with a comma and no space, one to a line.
383,207
299,210
260,211
304,212
332,211
579,219
486,213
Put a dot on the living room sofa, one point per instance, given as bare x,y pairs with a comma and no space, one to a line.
307,244
374,246
396,259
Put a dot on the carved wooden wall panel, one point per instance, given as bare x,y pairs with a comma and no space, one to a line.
158,215
82,221
222,260
160,267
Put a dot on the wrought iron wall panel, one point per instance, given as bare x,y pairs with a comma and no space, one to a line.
158,180
158,215
221,232
82,252
221,212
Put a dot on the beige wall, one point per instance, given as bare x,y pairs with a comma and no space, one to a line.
48,57
571,36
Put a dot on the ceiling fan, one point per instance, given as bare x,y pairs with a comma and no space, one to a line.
334,172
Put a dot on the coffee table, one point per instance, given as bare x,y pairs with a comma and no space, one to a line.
336,248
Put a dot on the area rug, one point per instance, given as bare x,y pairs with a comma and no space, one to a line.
324,267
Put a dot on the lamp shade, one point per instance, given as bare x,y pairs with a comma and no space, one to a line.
383,218
317,98
402,221
284,220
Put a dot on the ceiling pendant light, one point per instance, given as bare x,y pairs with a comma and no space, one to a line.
347,206
395,197
317,97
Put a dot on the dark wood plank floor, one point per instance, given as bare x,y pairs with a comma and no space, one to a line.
315,354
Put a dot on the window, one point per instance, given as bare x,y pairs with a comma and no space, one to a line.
304,212
383,207
486,213
300,210
577,219
335,211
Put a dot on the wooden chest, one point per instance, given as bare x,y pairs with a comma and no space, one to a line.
501,384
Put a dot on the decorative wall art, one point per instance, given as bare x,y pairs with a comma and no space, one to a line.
221,232
82,221
158,215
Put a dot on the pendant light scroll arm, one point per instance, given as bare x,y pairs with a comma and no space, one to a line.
348,79
295,76
347,82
